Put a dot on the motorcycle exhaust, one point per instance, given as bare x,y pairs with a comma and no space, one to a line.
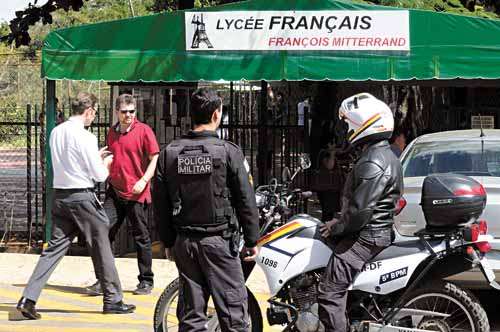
375,327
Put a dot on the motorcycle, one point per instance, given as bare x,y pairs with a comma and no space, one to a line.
402,289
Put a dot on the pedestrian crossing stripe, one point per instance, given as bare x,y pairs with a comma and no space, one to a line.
91,314
74,312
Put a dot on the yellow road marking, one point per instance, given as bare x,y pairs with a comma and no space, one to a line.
97,300
87,314
30,328
90,313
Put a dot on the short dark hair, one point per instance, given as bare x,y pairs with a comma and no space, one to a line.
396,133
325,154
82,101
124,99
204,102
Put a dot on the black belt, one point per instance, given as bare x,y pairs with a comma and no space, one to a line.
74,190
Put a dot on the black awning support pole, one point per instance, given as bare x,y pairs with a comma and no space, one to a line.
231,119
262,149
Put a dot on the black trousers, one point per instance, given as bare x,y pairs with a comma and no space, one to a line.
348,258
207,268
76,211
117,210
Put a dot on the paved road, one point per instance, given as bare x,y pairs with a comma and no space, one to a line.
68,309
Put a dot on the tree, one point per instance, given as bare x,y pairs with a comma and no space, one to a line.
20,25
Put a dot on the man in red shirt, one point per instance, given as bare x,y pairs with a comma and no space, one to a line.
135,153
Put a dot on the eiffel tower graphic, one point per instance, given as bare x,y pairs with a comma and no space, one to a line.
200,34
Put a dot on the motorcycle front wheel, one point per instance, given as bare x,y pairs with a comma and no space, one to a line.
165,319
464,311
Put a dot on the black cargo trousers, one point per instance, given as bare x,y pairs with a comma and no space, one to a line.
349,256
207,268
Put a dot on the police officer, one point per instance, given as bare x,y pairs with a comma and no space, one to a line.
371,193
202,189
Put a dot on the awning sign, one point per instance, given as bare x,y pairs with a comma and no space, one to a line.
343,30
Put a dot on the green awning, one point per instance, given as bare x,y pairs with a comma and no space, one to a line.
153,49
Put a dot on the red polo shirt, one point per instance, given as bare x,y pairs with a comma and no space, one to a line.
131,151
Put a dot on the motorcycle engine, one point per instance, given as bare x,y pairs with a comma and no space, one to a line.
304,294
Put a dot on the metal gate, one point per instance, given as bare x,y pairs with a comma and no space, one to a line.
21,177
22,171
270,141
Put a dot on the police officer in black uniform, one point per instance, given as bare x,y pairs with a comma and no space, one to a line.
202,192
371,192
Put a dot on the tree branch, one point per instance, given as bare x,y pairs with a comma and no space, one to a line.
19,26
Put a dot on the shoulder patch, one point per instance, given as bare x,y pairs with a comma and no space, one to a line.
247,166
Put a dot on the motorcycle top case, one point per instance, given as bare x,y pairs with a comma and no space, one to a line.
451,199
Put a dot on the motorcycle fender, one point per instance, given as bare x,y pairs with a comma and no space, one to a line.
488,272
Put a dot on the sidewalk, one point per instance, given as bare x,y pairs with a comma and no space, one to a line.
65,306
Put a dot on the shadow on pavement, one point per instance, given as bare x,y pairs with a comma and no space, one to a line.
63,289
14,315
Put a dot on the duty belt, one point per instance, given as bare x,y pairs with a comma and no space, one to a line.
74,190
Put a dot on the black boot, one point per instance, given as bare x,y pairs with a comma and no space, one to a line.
27,308
143,288
118,308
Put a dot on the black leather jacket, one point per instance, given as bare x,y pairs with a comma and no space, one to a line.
371,192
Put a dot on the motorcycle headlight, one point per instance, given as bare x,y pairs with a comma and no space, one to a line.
260,198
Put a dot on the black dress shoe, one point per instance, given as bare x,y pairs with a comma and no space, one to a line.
118,308
27,308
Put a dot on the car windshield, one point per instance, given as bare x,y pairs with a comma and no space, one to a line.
466,157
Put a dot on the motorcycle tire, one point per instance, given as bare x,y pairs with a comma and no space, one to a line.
172,290
455,298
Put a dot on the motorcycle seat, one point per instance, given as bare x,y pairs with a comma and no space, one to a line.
400,249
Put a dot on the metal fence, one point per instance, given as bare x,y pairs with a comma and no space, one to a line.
269,143
22,170
21,174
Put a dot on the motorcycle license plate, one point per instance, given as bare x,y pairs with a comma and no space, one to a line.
488,273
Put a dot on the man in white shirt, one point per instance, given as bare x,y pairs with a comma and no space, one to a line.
78,165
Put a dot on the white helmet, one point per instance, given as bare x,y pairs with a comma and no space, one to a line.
368,118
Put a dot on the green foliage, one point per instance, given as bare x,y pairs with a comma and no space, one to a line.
10,113
4,28
158,6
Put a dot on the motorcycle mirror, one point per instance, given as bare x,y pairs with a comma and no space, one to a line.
305,161
273,185
286,175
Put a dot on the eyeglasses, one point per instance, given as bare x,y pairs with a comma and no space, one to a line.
127,111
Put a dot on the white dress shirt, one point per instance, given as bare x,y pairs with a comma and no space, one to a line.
75,156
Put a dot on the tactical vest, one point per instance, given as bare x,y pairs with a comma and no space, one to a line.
197,185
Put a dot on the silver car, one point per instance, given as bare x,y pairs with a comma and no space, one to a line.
466,152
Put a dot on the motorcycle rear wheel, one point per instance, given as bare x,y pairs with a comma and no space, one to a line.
165,319
466,313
